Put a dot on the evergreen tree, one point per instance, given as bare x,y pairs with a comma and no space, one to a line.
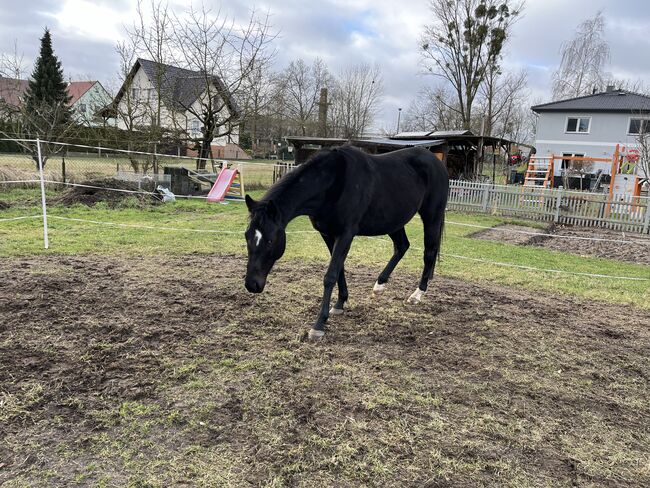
46,111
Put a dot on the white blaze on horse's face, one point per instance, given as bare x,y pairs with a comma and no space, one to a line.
258,237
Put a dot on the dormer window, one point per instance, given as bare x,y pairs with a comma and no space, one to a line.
578,125
639,126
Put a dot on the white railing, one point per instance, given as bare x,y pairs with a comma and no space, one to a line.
557,205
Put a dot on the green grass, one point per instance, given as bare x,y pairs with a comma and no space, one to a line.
25,237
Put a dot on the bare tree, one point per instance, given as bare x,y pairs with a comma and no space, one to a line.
261,89
134,113
643,171
433,109
12,69
583,61
464,43
151,36
502,95
301,86
225,55
355,100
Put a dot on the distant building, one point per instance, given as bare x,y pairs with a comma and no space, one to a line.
87,99
180,90
12,92
591,126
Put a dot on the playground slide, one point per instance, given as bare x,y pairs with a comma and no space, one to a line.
220,187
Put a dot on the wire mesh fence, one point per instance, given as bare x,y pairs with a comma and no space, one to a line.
77,164
92,165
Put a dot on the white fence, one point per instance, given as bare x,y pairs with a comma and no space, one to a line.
552,205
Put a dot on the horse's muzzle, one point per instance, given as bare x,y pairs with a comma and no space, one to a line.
255,285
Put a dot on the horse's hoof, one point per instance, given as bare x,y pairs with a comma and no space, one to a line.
416,297
336,311
315,335
378,289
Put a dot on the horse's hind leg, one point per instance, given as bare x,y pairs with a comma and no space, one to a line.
432,237
400,246
339,306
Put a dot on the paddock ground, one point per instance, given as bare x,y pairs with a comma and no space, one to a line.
134,370
575,240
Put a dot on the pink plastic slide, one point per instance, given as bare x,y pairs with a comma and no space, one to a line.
220,187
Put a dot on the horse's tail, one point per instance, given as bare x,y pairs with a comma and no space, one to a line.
439,240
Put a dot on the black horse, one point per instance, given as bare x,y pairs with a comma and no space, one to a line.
347,192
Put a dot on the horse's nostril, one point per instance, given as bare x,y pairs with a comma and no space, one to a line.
254,286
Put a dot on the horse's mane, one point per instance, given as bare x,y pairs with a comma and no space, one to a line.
290,178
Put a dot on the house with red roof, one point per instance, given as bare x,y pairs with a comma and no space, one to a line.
87,98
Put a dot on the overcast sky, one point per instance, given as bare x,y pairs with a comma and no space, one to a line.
341,32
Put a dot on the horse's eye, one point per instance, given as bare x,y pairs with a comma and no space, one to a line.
269,242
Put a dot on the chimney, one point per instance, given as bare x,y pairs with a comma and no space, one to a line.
610,89
322,113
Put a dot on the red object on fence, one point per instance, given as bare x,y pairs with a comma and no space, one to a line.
633,155
220,187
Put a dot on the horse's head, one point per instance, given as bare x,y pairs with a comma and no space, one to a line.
265,239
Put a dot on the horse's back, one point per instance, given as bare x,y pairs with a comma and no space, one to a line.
394,186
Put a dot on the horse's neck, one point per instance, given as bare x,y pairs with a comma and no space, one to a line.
304,195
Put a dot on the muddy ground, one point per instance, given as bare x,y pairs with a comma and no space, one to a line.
160,372
95,191
636,249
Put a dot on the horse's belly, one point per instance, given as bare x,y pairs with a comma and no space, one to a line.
381,221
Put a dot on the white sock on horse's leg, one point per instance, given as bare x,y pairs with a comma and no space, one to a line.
315,335
337,311
378,289
416,296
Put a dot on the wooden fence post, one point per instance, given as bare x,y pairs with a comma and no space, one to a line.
646,223
486,197
63,168
558,202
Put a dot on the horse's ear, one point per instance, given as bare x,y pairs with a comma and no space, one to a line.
272,210
250,203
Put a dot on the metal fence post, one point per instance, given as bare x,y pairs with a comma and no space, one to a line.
42,177
558,202
486,197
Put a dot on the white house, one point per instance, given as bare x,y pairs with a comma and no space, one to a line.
87,99
591,126
181,92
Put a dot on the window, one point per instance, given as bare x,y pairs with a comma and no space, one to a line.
566,163
135,93
82,108
578,125
195,128
639,126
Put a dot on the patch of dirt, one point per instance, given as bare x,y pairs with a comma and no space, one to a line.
4,205
637,250
100,191
155,371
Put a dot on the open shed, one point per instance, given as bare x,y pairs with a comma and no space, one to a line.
462,152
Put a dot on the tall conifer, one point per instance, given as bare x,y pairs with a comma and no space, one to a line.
46,99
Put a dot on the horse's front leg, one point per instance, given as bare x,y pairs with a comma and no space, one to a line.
339,253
